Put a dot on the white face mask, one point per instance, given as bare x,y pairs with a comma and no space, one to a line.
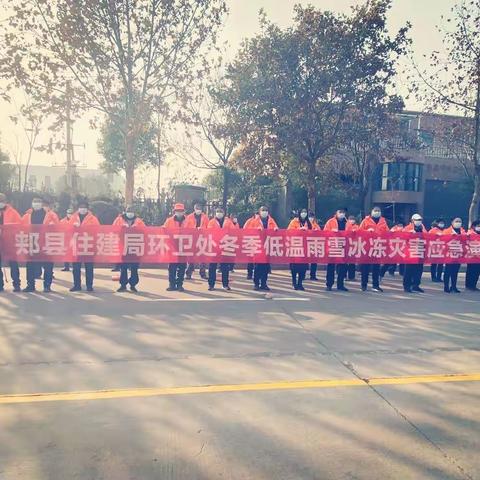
303,215
441,225
83,210
219,215
341,216
36,206
376,214
457,225
477,229
198,212
130,214
263,213
417,223
235,220
352,221
2,205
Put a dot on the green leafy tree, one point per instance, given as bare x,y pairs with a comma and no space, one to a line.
294,87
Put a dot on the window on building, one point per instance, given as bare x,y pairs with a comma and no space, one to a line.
399,176
426,138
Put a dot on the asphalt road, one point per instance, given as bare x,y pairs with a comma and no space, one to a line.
210,385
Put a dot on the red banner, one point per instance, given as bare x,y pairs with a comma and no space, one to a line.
108,244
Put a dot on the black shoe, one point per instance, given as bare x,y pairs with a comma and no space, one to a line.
227,288
171,288
265,288
301,287
65,269
203,277
28,289
407,290
17,289
342,289
211,288
256,288
455,290
249,277
115,269
364,289
47,290
377,289
90,289
446,289
188,276
133,289
76,289
418,290
123,288
470,289
314,279
328,289
180,288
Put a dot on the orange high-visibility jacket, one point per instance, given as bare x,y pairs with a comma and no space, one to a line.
89,220
249,222
315,225
190,221
451,231
236,226
172,222
121,222
471,231
436,231
213,224
65,220
51,218
410,228
296,225
396,228
10,215
369,224
332,225
257,223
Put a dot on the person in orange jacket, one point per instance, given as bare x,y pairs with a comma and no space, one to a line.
299,270
8,215
338,223
412,277
352,267
65,221
248,224
38,215
196,219
313,266
263,221
391,267
377,224
83,217
451,269
436,269
176,271
473,269
219,222
128,219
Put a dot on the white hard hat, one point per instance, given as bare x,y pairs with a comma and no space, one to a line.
416,216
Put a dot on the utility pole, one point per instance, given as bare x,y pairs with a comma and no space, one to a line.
70,173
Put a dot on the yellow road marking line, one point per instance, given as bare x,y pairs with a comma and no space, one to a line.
245,387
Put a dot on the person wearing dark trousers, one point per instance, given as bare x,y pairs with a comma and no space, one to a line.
250,223
261,221
250,267
83,217
351,268
451,269
391,268
473,269
338,223
219,222
374,223
299,270
8,215
412,277
313,266
436,269
38,215
176,271
199,220
128,219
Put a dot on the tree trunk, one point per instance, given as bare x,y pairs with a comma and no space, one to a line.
311,187
362,195
475,203
129,169
225,188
